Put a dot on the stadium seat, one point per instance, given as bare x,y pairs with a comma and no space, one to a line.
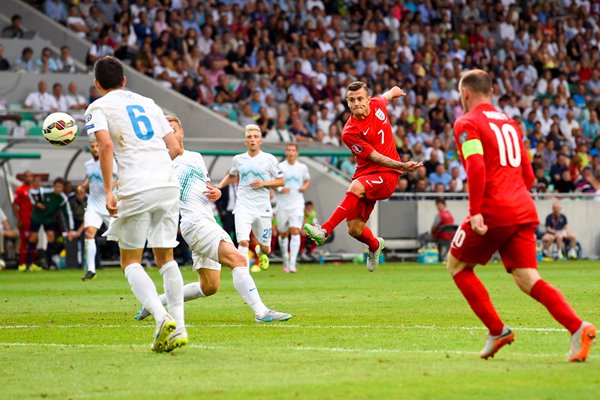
35,131
3,132
27,124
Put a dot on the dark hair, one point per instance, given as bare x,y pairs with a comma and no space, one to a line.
357,85
58,180
440,200
108,71
16,17
477,81
308,203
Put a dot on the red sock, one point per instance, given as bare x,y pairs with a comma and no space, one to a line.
341,212
479,299
369,239
556,304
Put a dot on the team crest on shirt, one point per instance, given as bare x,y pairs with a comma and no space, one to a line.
356,148
88,118
380,114
463,137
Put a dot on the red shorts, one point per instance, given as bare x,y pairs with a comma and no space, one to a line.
515,243
377,187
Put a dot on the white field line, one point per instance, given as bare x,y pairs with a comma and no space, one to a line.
281,325
294,348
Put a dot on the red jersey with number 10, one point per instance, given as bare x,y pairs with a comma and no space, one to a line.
506,198
371,133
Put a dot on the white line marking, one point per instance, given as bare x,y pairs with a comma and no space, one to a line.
284,326
294,348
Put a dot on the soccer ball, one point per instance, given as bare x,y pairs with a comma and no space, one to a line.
59,129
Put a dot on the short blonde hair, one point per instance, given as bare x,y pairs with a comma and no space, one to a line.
172,118
252,127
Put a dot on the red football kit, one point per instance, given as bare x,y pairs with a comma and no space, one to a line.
499,174
25,208
363,137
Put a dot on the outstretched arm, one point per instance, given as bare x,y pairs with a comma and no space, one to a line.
380,159
393,93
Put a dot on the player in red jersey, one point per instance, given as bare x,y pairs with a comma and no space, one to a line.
368,134
22,209
502,217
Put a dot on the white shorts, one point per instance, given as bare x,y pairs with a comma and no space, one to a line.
94,217
287,219
261,227
150,215
204,237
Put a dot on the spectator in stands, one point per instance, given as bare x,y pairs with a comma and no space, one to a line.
95,21
456,182
280,133
41,100
25,62
440,176
300,132
557,231
65,62
109,8
557,169
56,9
541,183
76,23
75,101
348,166
46,63
565,184
14,30
4,64
61,100
99,49
587,183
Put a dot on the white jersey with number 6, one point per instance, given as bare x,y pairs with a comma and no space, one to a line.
137,127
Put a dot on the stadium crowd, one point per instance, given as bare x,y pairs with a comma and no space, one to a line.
284,65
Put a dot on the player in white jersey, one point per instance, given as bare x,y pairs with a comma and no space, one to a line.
257,172
95,212
210,244
290,206
148,205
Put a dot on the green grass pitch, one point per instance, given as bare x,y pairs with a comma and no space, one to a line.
401,332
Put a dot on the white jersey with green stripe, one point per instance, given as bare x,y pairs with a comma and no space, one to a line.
193,177
262,166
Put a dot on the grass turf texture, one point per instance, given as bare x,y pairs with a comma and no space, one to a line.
403,331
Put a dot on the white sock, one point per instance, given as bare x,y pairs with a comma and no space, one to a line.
191,291
144,290
244,251
90,254
283,245
245,286
173,285
294,249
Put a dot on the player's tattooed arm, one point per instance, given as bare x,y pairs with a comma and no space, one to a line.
409,166
393,93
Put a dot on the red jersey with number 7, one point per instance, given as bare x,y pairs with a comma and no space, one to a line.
487,132
371,133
